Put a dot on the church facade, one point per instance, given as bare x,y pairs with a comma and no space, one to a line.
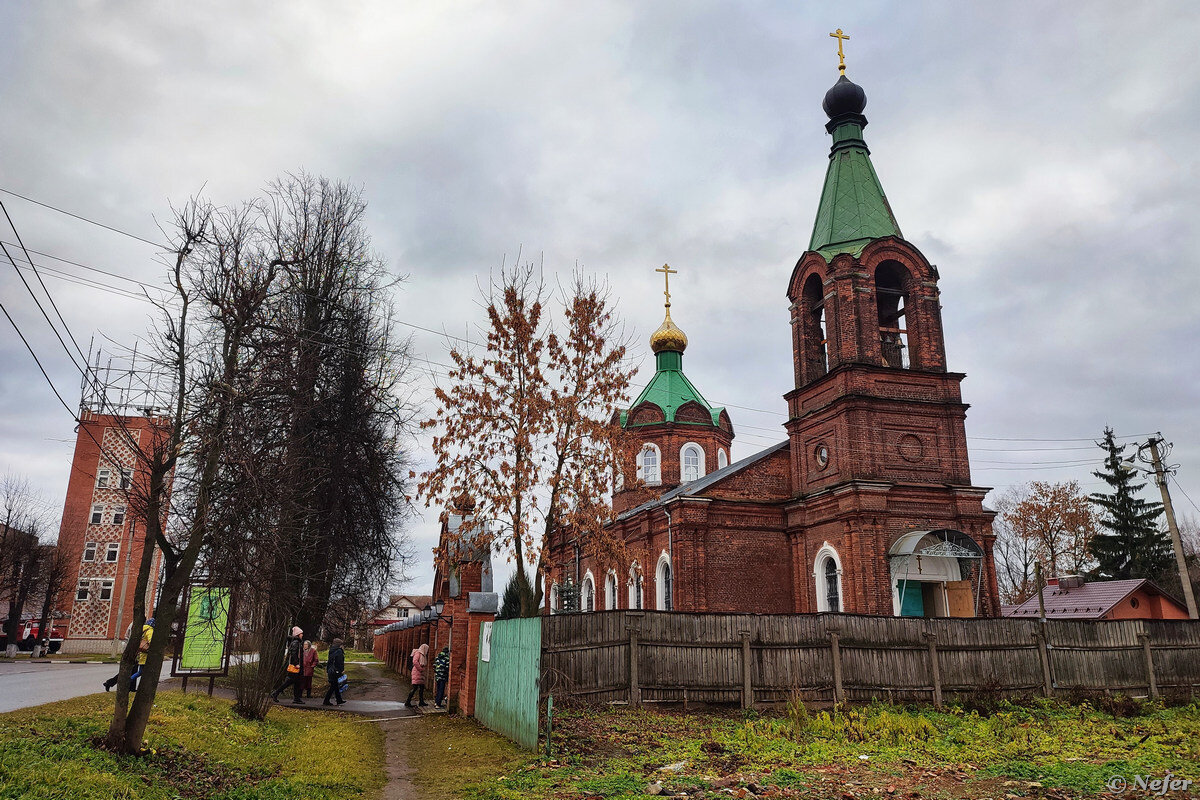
867,506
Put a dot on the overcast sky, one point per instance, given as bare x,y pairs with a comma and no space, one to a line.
1043,155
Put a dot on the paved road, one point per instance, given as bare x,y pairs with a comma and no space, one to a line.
24,683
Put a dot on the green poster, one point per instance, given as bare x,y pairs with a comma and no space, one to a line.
204,636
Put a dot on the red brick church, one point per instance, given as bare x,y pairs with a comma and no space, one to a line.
867,506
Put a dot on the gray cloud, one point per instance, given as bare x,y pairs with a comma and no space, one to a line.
1042,155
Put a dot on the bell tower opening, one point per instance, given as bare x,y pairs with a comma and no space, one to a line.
816,345
892,303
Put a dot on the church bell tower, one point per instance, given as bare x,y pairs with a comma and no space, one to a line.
876,422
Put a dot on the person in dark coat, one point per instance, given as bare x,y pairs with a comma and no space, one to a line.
335,665
441,673
295,666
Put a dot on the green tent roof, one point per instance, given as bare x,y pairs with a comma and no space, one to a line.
854,210
670,389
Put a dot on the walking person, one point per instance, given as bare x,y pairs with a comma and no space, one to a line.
147,635
335,666
294,662
420,658
308,665
441,673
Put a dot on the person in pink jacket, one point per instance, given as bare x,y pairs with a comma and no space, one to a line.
420,658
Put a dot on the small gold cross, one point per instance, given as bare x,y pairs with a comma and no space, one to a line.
667,272
841,56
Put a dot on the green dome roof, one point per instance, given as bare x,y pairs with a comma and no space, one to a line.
670,390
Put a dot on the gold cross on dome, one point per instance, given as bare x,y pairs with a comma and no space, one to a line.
841,55
667,272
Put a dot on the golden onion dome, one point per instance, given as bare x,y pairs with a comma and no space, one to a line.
669,336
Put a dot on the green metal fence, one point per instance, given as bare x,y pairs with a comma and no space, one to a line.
509,677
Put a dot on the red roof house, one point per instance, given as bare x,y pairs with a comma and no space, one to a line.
1073,598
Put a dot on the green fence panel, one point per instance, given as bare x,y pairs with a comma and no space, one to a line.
508,682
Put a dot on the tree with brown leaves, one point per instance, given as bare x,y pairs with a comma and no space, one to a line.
523,429
1051,524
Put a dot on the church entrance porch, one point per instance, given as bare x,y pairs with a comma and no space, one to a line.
936,573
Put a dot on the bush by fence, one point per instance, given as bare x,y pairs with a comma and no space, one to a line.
639,656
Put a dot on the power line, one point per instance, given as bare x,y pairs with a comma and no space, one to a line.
45,375
83,218
49,322
92,269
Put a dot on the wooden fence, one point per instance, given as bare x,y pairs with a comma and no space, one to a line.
635,656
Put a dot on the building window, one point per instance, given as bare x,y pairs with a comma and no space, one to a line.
692,460
554,606
722,459
81,591
126,478
89,551
648,466
97,514
103,475
663,586
106,590
587,594
891,300
610,591
110,554
635,587
827,574
816,344
119,515
403,613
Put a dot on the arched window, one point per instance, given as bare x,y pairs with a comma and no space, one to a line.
662,584
892,301
587,593
554,606
610,590
816,351
722,459
635,587
827,576
648,465
691,462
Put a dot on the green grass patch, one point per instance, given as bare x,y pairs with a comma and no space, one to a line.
618,752
196,748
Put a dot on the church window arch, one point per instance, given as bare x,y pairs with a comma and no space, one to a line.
587,593
610,590
649,465
891,298
722,459
691,462
664,589
814,327
827,577
635,587
554,603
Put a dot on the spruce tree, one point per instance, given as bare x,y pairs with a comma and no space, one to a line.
1133,545
510,604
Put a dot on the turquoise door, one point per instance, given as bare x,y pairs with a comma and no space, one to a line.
911,602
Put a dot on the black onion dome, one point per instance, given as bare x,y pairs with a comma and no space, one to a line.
846,97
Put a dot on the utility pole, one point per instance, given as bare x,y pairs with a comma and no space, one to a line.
1160,477
124,582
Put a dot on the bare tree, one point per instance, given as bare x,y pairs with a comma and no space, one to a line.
22,560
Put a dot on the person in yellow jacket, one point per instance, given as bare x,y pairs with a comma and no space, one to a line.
147,635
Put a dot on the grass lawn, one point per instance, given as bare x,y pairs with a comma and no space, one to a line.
197,748
361,655
1042,750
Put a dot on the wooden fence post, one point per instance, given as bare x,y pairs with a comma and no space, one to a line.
935,668
747,665
635,691
1145,639
836,650
1044,652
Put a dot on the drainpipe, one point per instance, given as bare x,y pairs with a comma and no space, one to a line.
670,560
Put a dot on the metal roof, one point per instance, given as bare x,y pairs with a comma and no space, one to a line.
695,487
1090,601
670,389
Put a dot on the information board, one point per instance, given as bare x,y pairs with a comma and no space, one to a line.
206,631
